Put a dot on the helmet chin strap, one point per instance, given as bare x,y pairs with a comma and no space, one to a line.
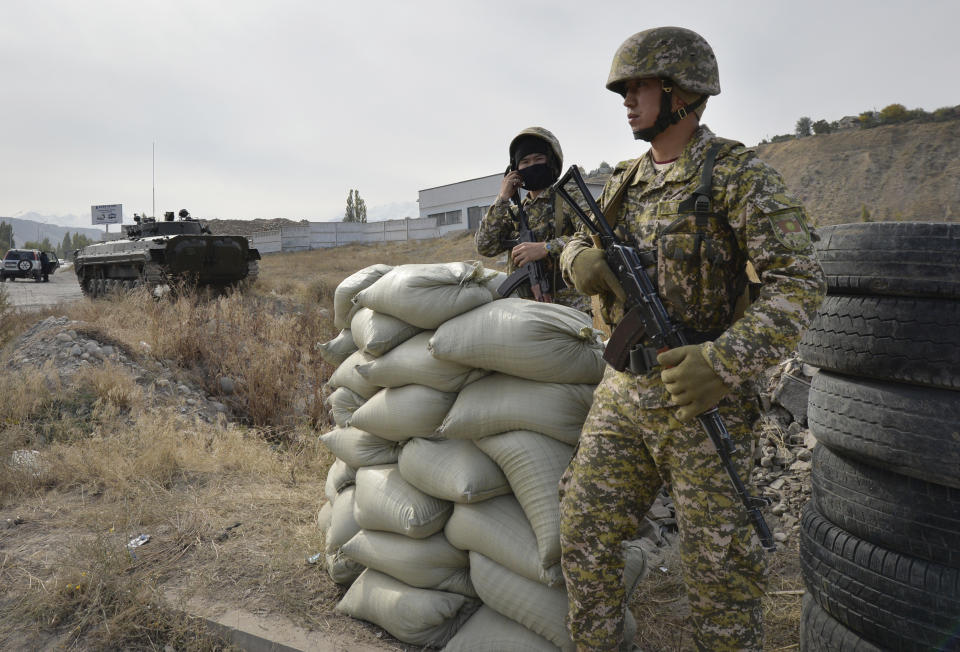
666,117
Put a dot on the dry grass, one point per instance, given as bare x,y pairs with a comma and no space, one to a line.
661,609
115,461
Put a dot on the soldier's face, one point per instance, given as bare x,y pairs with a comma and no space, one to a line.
531,159
642,99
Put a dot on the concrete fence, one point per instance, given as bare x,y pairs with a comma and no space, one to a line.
318,235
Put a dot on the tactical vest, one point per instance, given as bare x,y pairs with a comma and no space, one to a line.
697,257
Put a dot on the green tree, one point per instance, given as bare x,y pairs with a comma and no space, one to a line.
865,214
6,237
65,250
894,113
868,119
604,168
80,241
946,113
802,128
822,127
356,208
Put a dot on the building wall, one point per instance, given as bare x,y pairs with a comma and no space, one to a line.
444,209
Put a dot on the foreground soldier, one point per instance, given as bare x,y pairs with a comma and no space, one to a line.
641,431
535,163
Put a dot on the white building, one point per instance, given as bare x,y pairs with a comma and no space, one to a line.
461,205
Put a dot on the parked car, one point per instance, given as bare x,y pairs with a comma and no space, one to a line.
25,263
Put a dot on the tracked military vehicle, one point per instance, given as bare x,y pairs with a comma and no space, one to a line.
165,253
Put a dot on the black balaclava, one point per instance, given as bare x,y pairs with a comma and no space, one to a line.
541,175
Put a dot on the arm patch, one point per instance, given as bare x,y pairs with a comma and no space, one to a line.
790,228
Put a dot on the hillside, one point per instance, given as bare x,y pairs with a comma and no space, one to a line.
906,172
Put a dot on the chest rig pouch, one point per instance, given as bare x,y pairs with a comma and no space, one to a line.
701,269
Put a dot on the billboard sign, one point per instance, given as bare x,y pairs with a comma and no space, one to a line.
107,214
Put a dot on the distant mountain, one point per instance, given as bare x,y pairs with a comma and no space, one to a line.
35,227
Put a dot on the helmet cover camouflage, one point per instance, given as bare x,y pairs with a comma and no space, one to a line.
543,134
674,53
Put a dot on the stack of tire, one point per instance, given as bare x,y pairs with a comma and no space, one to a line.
880,542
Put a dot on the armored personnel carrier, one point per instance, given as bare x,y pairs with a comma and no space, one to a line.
156,253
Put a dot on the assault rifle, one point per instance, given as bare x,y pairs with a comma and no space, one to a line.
534,273
646,318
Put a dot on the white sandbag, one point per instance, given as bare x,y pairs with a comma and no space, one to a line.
342,570
387,502
338,349
343,305
411,362
343,402
324,516
416,616
358,448
375,333
499,530
539,341
399,413
343,527
339,477
430,563
453,470
428,295
500,403
539,608
488,631
533,464
346,375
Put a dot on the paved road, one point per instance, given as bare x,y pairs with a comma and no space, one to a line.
63,287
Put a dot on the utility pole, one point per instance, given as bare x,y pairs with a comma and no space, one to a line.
153,172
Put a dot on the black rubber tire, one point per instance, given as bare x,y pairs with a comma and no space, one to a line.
893,338
895,601
909,430
905,514
910,259
819,632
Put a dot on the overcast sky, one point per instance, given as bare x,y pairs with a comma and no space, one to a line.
277,108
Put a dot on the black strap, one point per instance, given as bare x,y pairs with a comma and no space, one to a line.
699,202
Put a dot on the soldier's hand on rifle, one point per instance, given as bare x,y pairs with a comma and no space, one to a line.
693,384
591,274
528,252
511,183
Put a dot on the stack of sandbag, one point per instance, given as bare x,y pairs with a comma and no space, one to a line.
455,417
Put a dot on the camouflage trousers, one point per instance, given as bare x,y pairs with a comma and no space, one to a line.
624,456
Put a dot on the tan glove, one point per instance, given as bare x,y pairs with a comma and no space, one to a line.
693,384
591,274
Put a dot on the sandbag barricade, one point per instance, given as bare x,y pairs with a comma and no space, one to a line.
443,462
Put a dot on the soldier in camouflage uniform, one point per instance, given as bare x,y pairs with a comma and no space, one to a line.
535,163
641,431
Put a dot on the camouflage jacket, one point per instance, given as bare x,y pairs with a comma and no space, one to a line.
498,227
700,269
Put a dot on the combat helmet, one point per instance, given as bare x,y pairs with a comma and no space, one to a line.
555,161
675,55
